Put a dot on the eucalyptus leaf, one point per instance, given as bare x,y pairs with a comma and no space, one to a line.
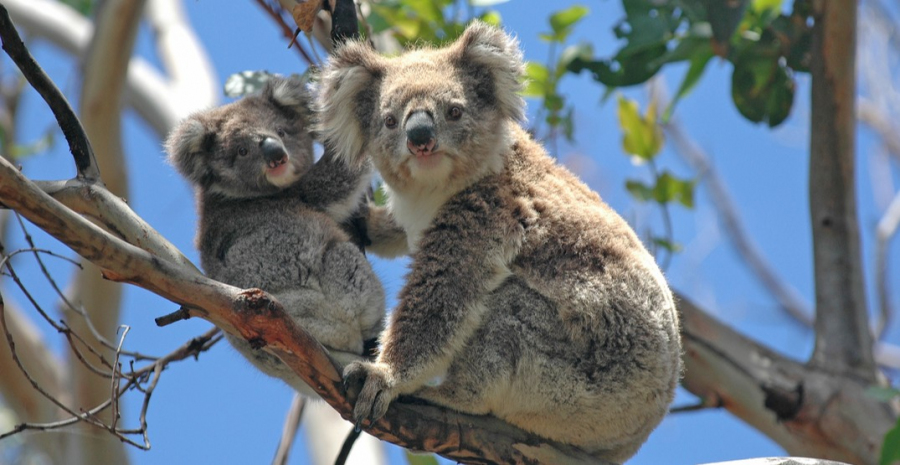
537,79
245,82
724,17
639,190
486,3
670,246
641,136
890,450
563,21
420,459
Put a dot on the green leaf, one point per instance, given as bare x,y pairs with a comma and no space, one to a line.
491,17
622,70
890,450
42,144
427,10
582,51
641,136
639,190
691,78
883,394
761,6
537,78
554,102
724,17
85,7
762,88
486,3
671,189
563,21
420,459
567,123
380,196
672,247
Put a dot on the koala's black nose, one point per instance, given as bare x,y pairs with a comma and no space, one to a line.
273,151
420,129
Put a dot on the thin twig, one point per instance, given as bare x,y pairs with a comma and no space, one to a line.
787,296
68,303
61,327
289,431
886,229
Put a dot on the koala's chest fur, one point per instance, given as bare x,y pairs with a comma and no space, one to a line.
415,212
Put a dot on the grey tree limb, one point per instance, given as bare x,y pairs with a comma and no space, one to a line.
843,338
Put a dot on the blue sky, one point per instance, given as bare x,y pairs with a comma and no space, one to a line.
220,410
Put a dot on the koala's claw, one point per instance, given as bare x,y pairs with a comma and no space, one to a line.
377,391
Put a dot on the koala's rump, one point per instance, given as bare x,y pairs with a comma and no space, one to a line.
523,367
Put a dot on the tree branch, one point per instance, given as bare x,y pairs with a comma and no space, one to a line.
808,411
78,141
843,337
289,431
192,82
787,296
257,317
147,90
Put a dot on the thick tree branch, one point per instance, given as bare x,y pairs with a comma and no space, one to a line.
104,71
192,82
257,317
843,337
808,411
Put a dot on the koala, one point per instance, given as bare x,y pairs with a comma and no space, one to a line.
528,298
269,218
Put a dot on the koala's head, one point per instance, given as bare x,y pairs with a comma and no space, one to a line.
255,146
429,116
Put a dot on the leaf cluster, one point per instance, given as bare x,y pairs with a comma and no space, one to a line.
765,45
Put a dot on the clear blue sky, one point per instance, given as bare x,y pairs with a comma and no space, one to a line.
220,410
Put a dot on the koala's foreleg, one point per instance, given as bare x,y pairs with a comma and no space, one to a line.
462,257
335,187
386,238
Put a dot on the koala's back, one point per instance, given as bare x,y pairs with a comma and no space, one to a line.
305,260
277,236
580,343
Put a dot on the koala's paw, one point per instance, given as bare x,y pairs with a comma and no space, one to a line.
378,390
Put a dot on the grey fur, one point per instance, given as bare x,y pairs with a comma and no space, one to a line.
277,227
528,297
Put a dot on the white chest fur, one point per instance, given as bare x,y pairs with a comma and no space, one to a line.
415,212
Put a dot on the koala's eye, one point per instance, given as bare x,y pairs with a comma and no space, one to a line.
455,113
280,132
242,151
390,122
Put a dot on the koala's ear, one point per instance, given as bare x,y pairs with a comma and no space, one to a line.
291,93
186,145
347,99
497,52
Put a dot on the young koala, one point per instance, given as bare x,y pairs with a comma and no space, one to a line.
269,218
528,297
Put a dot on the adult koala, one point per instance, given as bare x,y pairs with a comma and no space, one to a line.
528,297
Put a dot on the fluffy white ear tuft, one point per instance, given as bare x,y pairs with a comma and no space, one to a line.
185,145
347,99
288,92
499,53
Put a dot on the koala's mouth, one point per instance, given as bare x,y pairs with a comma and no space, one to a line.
422,150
